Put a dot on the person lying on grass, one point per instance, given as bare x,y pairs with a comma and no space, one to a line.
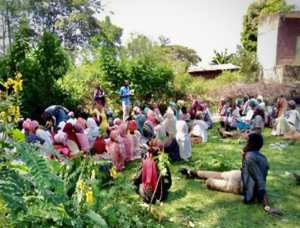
250,181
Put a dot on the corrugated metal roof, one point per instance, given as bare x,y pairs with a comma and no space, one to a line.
217,67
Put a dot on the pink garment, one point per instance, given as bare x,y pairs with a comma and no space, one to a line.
134,141
34,125
117,122
113,147
81,122
61,138
83,141
149,174
127,142
63,150
151,118
27,125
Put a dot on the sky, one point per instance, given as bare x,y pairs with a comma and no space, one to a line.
204,25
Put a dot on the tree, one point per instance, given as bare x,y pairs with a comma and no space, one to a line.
151,80
222,57
110,35
11,11
139,45
247,61
180,57
177,56
50,62
73,21
250,24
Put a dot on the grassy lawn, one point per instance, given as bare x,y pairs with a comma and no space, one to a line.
190,203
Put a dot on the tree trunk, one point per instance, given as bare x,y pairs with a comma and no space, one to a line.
3,35
8,27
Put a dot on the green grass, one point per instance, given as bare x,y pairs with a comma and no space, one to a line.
190,200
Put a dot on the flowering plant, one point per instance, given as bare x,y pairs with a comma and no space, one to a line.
10,99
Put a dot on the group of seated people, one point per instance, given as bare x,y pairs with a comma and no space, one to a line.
148,132
72,133
252,115
69,134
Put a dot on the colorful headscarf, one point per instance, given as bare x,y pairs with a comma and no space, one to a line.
132,126
151,117
27,125
34,125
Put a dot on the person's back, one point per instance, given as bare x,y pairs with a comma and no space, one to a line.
294,118
199,129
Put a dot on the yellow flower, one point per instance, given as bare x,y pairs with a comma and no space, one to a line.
93,174
18,76
89,196
113,172
81,185
17,86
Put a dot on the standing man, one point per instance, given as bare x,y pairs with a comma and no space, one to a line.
125,94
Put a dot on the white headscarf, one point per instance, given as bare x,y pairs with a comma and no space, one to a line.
92,130
169,122
183,139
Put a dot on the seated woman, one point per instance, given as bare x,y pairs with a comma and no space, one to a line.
139,118
290,123
30,128
206,115
250,181
258,120
183,140
199,128
126,142
116,151
150,184
82,138
137,139
72,141
184,115
60,144
170,143
91,131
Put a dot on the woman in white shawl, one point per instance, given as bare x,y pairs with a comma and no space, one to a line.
169,123
199,128
170,145
92,131
183,140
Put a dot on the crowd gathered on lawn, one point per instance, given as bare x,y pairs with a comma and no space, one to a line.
144,132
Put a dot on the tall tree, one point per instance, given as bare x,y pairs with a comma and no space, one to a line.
11,11
250,24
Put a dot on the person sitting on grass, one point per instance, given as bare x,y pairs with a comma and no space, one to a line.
151,184
199,129
250,181
288,124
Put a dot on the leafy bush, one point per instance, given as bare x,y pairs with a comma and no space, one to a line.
247,61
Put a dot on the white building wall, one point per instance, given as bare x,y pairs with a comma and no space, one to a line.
267,46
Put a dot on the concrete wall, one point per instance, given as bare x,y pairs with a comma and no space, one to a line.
289,31
267,46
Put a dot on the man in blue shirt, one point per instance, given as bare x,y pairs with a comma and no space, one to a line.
125,94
